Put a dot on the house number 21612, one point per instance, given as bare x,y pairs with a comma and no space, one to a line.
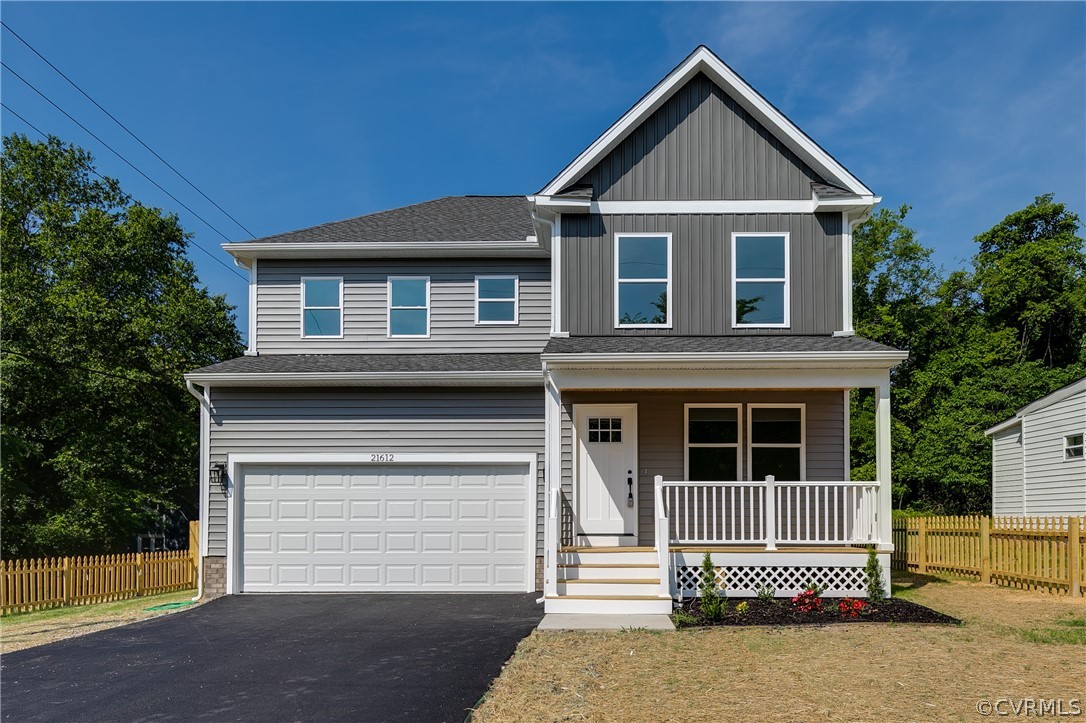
382,457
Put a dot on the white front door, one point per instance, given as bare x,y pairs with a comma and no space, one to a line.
606,473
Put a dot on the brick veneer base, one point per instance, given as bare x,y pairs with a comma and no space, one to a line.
214,577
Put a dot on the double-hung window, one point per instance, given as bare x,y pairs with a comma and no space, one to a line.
776,434
1073,446
322,307
496,300
642,280
712,442
409,306
760,288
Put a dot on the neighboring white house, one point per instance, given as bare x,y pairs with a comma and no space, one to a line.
1038,466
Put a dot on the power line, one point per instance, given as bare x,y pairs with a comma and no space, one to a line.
45,135
133,166
126,129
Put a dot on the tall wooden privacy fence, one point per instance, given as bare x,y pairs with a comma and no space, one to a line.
1032,553
61,581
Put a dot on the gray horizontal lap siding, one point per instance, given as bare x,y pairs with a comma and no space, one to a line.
1054,485
1007,472
701,274
365,301
701,145
661,451
362,421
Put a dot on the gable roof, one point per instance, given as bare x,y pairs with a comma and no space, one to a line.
1078,387
703,60
453,222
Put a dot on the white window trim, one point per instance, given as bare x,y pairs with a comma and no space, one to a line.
738,444
616,281
303,307
787,279
515,299
389,307
1080,445
802,446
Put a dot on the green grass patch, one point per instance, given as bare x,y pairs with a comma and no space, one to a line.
1071,631
101,610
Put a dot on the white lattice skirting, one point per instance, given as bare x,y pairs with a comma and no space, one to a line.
746,580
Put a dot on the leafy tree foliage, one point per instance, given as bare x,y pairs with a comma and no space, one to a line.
982,343
102,315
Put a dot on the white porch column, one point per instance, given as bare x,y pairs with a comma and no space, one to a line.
882,463
553,482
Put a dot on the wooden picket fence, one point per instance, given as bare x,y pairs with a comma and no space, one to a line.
63,581
1030,553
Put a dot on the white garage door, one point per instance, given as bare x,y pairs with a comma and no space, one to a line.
418,527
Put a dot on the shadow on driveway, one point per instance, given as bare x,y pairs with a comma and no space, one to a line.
278,658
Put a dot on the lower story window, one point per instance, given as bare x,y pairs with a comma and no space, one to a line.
776,442
1072,446
712,443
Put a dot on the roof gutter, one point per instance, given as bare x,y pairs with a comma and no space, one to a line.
356,249
729,360
376,379
1003,426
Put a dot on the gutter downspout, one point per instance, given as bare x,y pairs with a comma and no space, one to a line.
848,226
205,406
556,258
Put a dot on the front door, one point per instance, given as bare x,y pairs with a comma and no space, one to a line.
606,473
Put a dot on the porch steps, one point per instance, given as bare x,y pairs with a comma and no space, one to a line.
608,581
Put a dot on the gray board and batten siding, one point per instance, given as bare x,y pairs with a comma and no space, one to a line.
700,145
365,302
661,437
367,420
701,273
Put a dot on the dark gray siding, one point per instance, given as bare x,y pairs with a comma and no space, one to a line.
346,421
700,145
365,301
702,271
660,419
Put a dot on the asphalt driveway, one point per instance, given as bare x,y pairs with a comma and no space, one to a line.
278,658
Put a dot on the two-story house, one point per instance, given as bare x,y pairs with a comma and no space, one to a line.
578,391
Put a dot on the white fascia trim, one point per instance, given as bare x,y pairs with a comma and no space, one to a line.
1003,426
703,60
813,205
235,461
347,249
438,378
879,359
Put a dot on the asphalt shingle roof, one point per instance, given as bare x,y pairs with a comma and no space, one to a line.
825,190
765,344
464,219
347,363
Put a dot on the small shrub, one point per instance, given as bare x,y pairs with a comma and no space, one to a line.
873,571
683,619
767,593
742,607
713,603
852,607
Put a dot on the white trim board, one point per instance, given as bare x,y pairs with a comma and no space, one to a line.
703,60
236,461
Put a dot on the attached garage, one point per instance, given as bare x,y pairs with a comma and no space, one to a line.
389,523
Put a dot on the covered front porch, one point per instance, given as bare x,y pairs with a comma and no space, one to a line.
650,464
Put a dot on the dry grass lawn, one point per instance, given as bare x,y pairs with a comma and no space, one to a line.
26,630
1013,644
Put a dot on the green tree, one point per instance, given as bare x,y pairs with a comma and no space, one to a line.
102,314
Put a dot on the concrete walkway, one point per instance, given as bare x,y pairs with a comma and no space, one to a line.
570,621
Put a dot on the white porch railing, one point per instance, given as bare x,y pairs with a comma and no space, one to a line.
724,513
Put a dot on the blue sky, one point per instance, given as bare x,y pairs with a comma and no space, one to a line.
290,115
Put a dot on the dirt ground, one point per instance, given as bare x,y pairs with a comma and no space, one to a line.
1012,645
27,630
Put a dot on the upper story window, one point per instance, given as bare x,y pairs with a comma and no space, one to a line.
1073,446
712,442
642,280
322,307
496,300
760,280
409,306
776,433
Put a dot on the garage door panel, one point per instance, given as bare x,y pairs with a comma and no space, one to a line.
392,528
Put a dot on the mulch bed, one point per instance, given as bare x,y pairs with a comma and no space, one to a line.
783,612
